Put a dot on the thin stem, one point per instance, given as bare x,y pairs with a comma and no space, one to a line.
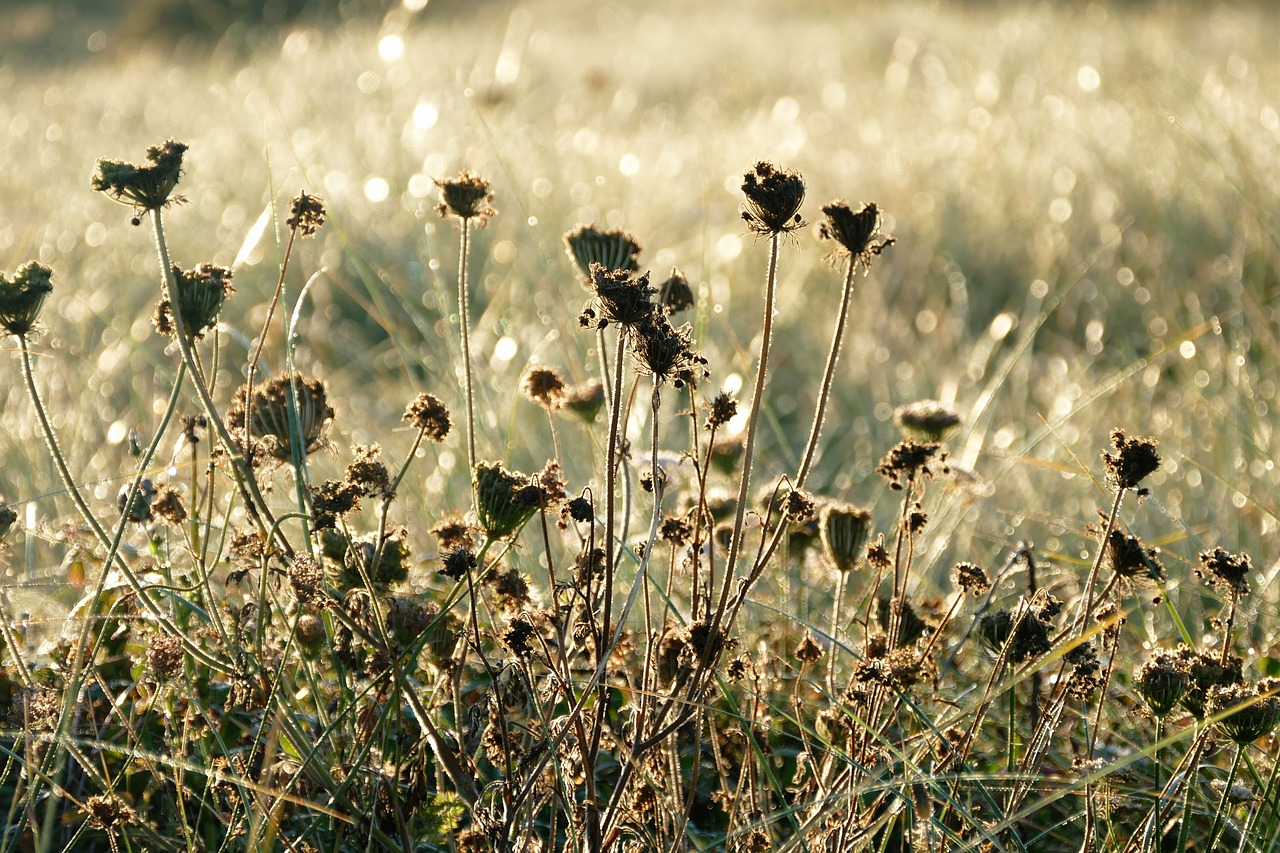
824,395
1221,811
464,312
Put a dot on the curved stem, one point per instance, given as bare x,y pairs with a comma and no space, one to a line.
824,395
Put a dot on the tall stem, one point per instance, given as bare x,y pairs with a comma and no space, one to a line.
464,312
824,394
1226,797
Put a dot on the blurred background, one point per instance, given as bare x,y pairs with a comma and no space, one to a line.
1084,197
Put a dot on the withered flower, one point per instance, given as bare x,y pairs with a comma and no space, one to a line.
1226,571
844,529
201,294
105,812
1133,561
907,460
22,297
1256,710
466,196
167,504
615,250
430,415
773,202
457,563
1134,460
306,214
164,655
927,420
970,578
667,353
367,473
619,299
143,187
675,294
854,231
1162,681
721,410
1207,672
306,578
271,430
544,386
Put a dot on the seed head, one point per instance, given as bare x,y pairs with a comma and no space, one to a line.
773,202
457,563
140,511
331,500
970,578
1257,709
619,299
666,353
675,294
310,633
167,504
271,430
430,415
722,410
1208,672
497,507
306,578
544,386
1133,561
844,529
7,519
164,656
201,293
519,635
1226,571
452,533
22,297
466,196
927,420
1133,461
106,812
143,187
909,459
306,214
615,250
855,232
1163,680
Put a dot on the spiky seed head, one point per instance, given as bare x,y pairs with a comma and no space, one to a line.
970,578
466,196
457,563
497,507
721,410
143,187
675,294
927,420
844,529
619,299
22,297
306,577
773,199
1133,461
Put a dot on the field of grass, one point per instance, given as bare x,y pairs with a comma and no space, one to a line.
1084,202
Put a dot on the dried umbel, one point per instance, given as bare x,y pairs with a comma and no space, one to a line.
306,578
310,633
1163,680
619,299
721,410
854,231
844,529
808,651
497,507
615,250
666,353
466,196
1133,561
1025,629
167,505
909,459
429,414
271,430
164,656
1251,712
544,386
927,420
22,297
107,812
675,294
519,636
1207,672
773,202
1133,461
910,626
143,187
1226,571
201,294
457,563
306,214
970,578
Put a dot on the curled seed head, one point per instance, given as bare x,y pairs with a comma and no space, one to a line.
22,297
201,294
844,529
1256,714
854,231
1162,681
773,199
675,294
167,504
272,429
430,415
466,196
1133,461
927,420
615,250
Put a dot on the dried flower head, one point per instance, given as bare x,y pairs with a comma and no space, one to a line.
854,231
310,633
1162,681
368,474
457,563
619,299
107,812
1207,672
909,459
164,655
306,214
773,202
36,709
1256,709
167,504
721,410
910,626
201,294
1134,460
615,250
1086,672
1132,560
1226,571
585,399
666,353
430,415
497,507
452,533
927,420
331,500
143,187
544,386
306,578
272,430
675,294
844,529
519,636
358,562
1025,629
140,510
878,556
22,297
466,196
970,578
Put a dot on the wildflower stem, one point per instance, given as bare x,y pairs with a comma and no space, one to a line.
824,394
464,319
1221,811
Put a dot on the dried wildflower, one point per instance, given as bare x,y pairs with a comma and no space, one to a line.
721,410
1134,460
519,636
1134,562
201,294
910,628
499,512
544,386
808,651
917,519
36,709
247,545
511,587
798,507
909,459
899,669
588,564
878,554
7,519
430,415
1025,630
367,473
1162,680
676,530
844,529
22,297
143,187
140,510
306,214
927,420
107,811
167,504
619,299
970,578
666,353
407,617
310,633
855,232
1256,710
457,563
675,294
704,647
773,202
1086,672
306,578
451,533
164,655
1226,571
467,196
271,430
614,250
331,500
1208,672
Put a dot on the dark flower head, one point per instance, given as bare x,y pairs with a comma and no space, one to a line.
164,655
108,812
855,232
1226,571
368,474
808,651
306,578
273,411
1134,460
666,353
910,626
615,250
519,635
1256,714
167,504
466,196
723,409
585,399
1133,561
306,214
1163,680
1207,672
544,386
773,200
452,533
502,504
7,519
22,297
143,187
201,293
908,459
845,529
675,294
430,415
457,563
927,420
619,299
331,500
1025,629
970,578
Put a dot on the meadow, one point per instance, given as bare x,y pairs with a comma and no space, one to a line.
1037,613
